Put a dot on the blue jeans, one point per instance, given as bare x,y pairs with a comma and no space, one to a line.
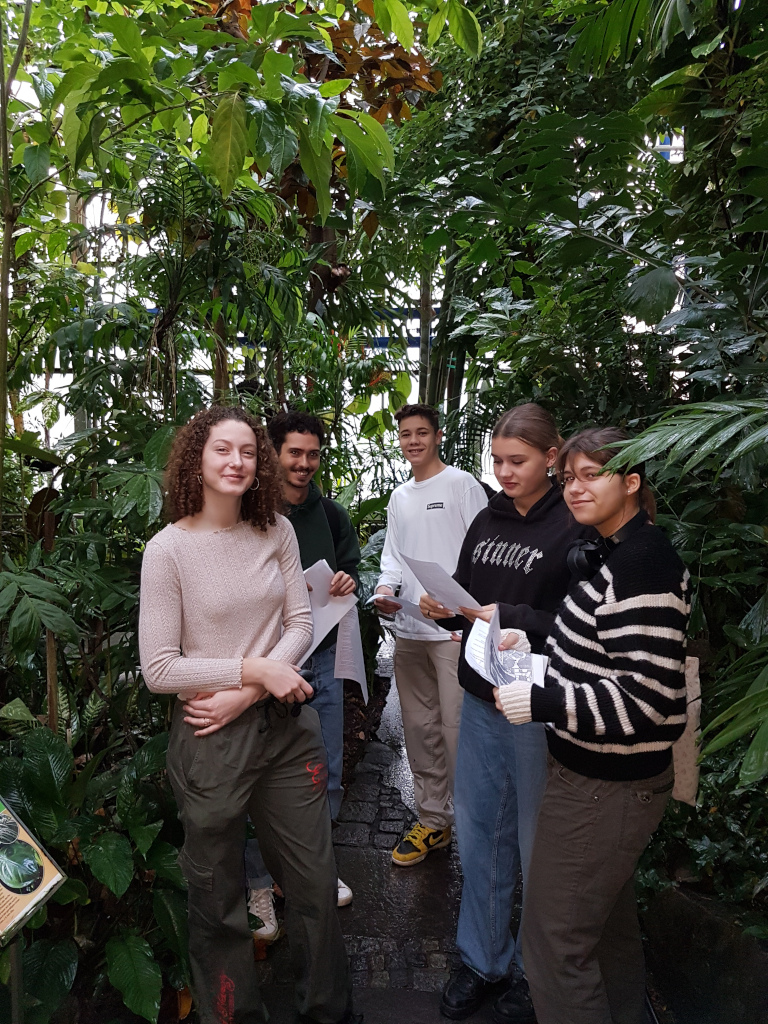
501,774
328,702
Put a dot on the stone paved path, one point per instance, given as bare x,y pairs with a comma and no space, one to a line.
401,925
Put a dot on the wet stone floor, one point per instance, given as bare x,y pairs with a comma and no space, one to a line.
401,925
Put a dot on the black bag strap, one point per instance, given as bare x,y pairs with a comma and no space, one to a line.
333,516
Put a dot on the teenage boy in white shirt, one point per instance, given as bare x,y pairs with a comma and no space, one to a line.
427,518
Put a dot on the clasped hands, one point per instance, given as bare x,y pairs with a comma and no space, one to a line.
209,712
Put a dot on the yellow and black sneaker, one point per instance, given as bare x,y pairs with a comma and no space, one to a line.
418,842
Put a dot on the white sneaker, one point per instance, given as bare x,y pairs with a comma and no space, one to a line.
261,903
344,894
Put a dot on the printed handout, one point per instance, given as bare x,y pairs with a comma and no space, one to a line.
501,668
440,586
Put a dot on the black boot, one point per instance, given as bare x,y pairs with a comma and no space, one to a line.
514,1006
463,993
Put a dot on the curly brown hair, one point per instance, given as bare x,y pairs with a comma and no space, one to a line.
185,491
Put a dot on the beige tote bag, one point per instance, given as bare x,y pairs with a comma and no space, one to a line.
685,751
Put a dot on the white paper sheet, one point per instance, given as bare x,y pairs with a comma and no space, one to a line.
440,586
501,668
406,607
327,611
350,663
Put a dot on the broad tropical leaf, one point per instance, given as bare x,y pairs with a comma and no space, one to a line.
135,973
110,858
229,139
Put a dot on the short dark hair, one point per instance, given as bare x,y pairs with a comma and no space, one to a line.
291,422
420,409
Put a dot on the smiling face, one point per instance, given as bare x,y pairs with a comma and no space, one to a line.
418,440
604,500
299,459
228,465
521,470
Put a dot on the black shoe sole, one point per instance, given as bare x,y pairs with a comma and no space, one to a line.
501,1018
459,1013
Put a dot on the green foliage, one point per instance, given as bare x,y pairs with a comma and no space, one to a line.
250,227
720,847
133,971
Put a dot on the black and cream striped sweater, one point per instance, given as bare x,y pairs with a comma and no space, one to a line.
614,695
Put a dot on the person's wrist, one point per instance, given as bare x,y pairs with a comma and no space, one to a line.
384,589
515,698
253,672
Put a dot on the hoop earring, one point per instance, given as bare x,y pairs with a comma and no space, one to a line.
200,479
255,485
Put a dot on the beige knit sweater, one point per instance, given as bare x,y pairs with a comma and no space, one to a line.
208,600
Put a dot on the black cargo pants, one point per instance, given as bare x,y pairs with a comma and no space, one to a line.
271,766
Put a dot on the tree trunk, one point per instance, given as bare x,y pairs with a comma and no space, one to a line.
456,379
220,370
425,329
10,214
17,417
51,675
438,370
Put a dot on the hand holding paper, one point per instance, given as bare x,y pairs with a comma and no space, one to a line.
327,611
506,667
405,606
439,585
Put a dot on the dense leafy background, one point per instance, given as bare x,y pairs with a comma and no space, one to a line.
234,202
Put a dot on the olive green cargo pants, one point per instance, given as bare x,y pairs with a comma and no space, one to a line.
582,948
271,766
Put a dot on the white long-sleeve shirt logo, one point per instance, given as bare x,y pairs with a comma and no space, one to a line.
506,554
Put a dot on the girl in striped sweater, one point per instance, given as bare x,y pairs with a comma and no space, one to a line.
615,702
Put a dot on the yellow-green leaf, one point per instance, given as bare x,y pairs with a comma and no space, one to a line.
401,24
374,129
335,87
200,129
436,23
465,28
228,141
318,169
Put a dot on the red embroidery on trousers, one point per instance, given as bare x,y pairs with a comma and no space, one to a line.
319,773
225,1000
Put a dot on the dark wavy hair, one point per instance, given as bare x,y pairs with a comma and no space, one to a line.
295,421
184,490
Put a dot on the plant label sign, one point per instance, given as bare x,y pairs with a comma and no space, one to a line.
28,877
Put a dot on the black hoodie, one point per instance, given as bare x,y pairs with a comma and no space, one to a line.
518,562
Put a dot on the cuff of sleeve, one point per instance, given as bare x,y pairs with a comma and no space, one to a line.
516,701
523,644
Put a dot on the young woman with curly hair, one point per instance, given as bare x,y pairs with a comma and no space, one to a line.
224,618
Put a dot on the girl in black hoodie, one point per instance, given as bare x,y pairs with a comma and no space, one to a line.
514,555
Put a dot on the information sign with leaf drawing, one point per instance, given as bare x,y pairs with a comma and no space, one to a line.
28,877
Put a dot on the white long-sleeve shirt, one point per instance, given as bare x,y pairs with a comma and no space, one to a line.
427,520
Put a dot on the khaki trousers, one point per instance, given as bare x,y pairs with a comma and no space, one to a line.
270,766
430,700
581,938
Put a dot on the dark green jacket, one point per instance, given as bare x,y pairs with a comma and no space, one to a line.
315,538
